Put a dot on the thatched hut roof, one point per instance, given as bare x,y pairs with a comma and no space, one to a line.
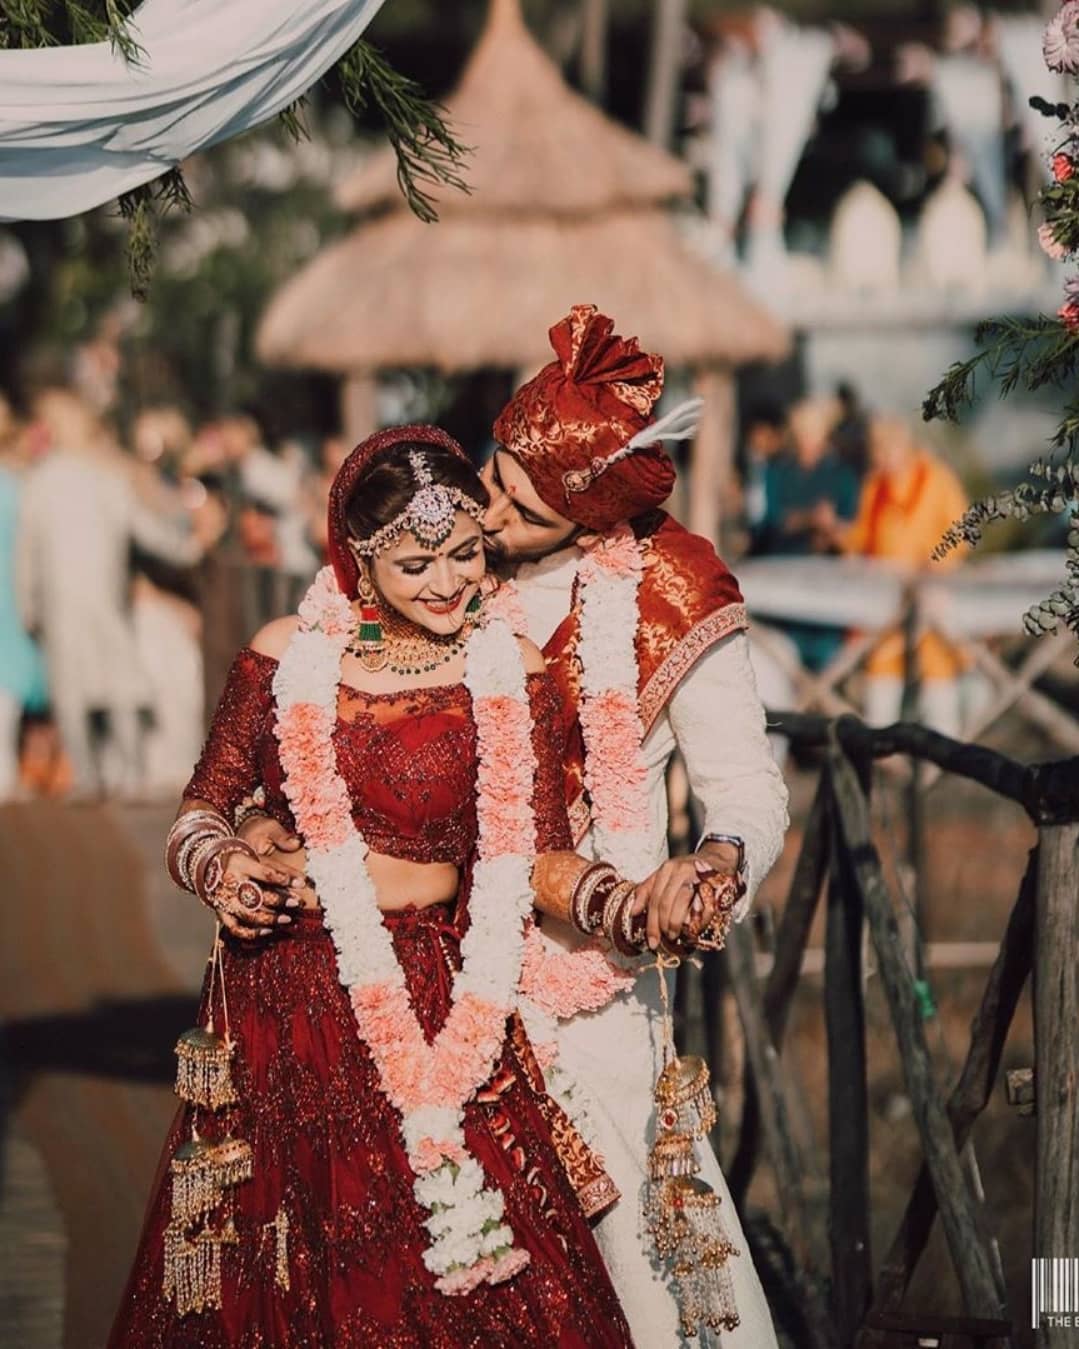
469,292
540,148
566,208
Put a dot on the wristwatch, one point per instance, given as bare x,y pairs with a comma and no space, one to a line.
741,870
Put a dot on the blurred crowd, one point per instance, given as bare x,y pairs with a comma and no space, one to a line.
827,477
115,552
131,564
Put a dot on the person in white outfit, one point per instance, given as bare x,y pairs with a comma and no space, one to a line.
79,517
579,471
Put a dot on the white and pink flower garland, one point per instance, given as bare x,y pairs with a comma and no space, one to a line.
428,1083
557,983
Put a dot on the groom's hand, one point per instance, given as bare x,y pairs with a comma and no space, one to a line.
677,898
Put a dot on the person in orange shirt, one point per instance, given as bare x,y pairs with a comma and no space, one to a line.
908,500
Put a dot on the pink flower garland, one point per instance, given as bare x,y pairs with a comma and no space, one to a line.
428,1084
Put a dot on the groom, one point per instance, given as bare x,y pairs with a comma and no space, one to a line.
578,468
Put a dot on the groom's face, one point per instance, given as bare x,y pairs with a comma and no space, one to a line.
519,526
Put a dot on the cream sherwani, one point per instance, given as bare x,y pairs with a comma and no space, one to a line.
715,719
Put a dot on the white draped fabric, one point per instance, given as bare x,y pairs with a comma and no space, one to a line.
80,125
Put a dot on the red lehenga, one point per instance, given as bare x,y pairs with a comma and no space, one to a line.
345,1269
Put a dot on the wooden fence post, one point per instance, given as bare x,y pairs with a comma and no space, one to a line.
958,1212
786,1162
969,1097
848,1107
782,984
1056,1050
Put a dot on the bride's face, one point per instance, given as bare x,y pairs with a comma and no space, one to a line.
433,587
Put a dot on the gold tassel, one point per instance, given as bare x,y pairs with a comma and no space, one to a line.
232,1161
192,1273
672,1155
682,1212
195,1187
204,1068
280,1227
684,1098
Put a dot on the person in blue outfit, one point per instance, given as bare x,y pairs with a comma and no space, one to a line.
808,491
23,687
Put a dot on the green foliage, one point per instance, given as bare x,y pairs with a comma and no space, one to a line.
142,208
1015,353
47,23
1051,489
1031,354
427,152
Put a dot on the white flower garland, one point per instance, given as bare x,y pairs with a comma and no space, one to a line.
428,1084
609,578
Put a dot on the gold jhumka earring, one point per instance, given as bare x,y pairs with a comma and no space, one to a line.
682,1212
369,645
202,1171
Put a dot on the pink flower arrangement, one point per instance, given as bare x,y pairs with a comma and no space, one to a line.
503,724
1050,243
462,1281
1068,313
464,1050
610,719
505,604
506,1266
563,983
429,1154
325,608
616,553
1060,44
316,792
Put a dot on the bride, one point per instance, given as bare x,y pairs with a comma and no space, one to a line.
367,1154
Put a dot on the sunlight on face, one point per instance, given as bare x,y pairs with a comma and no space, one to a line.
432,588
519,526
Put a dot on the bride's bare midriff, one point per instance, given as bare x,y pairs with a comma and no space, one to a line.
398,883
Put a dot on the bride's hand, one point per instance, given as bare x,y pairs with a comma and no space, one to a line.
282,849
253,895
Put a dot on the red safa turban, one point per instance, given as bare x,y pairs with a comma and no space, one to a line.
565,425
344,485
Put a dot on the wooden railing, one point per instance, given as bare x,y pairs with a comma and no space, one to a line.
853,1304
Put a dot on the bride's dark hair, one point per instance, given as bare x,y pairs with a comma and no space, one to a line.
389,482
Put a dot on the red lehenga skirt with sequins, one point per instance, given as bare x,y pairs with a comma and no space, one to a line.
328,1151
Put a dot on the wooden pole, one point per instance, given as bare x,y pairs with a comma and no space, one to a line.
712,459
988,1033
786,1163
958,1211
359,407
782,984
848,1090
594,23
661,102
1056,1049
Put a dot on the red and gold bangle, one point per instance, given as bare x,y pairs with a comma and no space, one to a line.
188,833
620,898
583,914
